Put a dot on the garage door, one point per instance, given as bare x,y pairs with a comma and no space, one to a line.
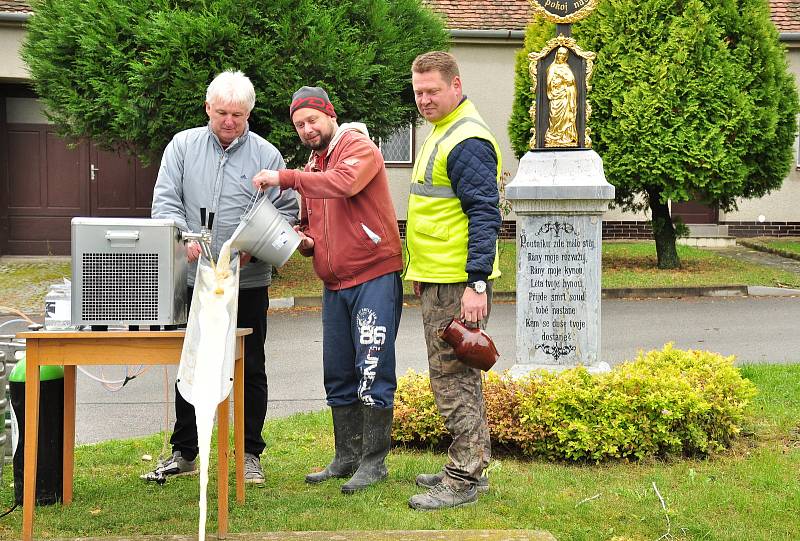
50,181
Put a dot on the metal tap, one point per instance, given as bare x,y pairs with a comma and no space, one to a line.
203,238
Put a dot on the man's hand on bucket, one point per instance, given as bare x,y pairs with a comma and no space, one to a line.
266,178
306,242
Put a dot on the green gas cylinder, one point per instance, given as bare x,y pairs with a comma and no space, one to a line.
49,470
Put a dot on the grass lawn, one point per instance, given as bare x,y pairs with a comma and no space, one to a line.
749,493
24,285
625,264
791,245
633,264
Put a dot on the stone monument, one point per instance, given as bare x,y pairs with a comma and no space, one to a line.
559,195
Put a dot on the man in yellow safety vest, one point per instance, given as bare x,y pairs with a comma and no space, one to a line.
451,239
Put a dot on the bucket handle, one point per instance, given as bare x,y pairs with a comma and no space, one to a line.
251,205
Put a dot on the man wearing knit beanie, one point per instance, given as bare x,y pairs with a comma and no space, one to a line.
313,97
310,101
349,227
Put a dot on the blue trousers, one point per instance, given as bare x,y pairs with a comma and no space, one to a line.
359,327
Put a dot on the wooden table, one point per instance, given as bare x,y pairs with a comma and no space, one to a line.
71,348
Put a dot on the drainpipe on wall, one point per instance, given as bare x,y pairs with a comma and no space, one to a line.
490,34
14,17
513,35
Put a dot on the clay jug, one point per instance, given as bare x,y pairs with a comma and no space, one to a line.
473,347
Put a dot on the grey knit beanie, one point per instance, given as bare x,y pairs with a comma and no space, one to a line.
313,97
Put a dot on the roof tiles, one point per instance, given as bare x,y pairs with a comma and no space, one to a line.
515,14
483,14
503,14
15,6
786,14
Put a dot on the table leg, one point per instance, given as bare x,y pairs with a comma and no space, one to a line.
69,432
31,437
238,419
223,455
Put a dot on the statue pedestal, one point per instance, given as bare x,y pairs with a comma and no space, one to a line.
559,198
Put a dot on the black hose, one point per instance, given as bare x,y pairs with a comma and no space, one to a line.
9,510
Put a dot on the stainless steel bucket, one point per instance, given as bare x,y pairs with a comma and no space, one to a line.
265,234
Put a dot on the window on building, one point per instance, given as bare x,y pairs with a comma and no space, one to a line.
797,147
797,152
398,148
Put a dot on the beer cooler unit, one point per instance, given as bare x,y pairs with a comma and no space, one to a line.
128,272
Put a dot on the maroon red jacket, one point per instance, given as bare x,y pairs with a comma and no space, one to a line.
347,210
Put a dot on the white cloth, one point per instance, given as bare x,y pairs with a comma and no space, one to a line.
205,373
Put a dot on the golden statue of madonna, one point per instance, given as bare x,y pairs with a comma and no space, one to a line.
562,93
559,113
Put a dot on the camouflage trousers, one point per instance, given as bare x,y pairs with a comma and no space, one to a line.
457,388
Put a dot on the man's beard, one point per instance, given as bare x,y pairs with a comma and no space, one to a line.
322,144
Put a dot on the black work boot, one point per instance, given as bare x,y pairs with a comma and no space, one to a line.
377,440
348,422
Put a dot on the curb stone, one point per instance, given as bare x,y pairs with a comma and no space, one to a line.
673,292
607,293
766,291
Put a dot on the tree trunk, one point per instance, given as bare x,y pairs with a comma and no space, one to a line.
663,232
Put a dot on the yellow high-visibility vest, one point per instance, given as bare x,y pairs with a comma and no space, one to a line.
436,227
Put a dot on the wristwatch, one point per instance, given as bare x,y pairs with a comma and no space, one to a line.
479,286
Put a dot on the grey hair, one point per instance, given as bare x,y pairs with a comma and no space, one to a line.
232,87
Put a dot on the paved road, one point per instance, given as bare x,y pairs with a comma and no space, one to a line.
755,329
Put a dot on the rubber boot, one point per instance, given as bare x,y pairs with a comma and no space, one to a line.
377,440
348,422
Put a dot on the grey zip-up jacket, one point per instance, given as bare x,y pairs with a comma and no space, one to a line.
197,172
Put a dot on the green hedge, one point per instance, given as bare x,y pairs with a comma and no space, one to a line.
668,402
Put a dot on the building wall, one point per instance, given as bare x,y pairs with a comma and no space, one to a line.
24,111
782,205
487,70
12,68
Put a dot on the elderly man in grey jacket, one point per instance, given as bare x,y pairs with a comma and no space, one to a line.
212,167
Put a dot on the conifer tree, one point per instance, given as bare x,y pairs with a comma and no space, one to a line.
691,100
131,73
